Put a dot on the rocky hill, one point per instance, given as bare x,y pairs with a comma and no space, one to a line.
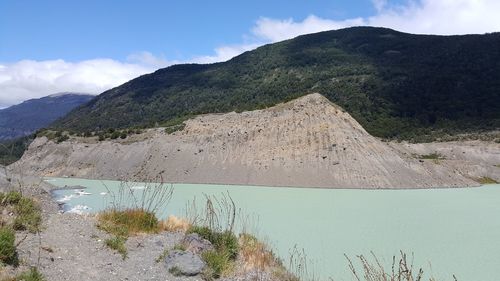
307,142
396,85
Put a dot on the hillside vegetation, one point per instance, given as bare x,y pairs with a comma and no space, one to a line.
396,85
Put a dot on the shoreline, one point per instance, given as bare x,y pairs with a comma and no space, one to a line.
269,186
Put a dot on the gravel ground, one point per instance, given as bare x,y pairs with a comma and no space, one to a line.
72,248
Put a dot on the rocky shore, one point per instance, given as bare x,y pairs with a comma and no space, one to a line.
72,247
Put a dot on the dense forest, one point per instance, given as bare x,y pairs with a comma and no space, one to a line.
396,85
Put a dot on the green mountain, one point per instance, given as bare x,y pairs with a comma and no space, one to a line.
25,118
396,85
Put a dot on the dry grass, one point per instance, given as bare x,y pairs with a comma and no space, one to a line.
486,180
175,224
255,254
401,270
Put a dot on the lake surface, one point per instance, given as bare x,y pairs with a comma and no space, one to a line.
449,231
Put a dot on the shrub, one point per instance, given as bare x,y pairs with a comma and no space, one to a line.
8,253
115,135
62,138
123,135
175,128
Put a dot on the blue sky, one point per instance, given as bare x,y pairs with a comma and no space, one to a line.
90,46
79,30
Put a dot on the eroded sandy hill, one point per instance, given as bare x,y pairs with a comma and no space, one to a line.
306,142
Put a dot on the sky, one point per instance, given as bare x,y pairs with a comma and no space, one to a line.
90,46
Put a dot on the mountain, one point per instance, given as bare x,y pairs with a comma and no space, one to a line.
25,118
306,142
396,85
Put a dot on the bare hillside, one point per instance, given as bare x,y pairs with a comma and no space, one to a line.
308,142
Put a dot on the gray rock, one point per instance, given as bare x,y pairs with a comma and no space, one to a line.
185,263
196,244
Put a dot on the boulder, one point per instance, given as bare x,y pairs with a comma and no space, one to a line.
197,244
184,263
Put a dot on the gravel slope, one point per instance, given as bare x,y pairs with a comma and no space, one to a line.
308,142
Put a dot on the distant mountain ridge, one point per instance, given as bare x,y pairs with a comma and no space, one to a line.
396,85
27,117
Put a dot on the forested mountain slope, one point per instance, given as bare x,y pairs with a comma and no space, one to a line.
396,85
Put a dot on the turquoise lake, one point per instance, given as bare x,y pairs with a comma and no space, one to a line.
449,231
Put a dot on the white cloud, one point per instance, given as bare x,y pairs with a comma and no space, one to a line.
150,60
442,17
29,79
379,4
32,79
271,30
225,53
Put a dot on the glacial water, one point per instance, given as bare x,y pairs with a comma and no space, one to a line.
449,231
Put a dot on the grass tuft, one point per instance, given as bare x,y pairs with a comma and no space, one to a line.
162,256
174,224
31,275
27,212
8,253
224,241
255,254
123,223
175,271
128,222
179,247
117,243
486,180
28,215
217,262
432,156
10,198
401,269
